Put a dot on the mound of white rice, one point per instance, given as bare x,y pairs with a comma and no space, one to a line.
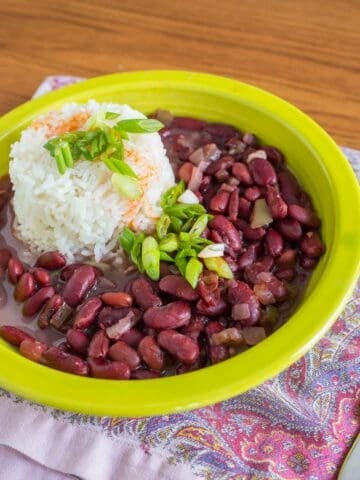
79,212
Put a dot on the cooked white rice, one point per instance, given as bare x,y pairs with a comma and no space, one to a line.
79,212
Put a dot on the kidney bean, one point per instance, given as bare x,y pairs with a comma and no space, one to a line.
185,171
109,316
78,285
25,287
311,245
99,345
262,171
264,294
56,358
228,336
273,155
78,341
144,294
253,335
252,272
151,353
220,201
87,313
180,346
215,236
290,229
32,349
248,257
239,292
15,270
286,274
303,215
122,326
308,263
121,352
287,258
222,163
117,299
212,309
101,368
132,337
177,286
33,304
227,230
233,182
60,316
207,286
213,327
252,193
195,327
188,123
14,335
51,261
67,271
41,276
245,208
251,234
276,204
173,315
277,288
289,187
274,242
234,204
5,256
144,374
222,175
249,139
242,173
267,262
211,152
217,353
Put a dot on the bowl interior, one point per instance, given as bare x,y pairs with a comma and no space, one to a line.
320,168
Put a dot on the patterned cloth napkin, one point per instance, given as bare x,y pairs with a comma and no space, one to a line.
299,425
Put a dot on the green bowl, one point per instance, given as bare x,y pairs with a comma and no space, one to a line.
322,170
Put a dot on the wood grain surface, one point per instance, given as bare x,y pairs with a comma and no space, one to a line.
307,51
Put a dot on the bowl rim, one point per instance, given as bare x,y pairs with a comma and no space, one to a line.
199,388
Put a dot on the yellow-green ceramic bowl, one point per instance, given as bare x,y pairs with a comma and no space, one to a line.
321,168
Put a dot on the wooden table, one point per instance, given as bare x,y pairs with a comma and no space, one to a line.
307,51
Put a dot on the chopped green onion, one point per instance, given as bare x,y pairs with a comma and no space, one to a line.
184,211
151,257
181,259
192,271
199,225
176,224
127,239
140,125
162,226
165,257
219,266
123,167
60,160
135,253
127,186
68,158
172,194
111,115
169,243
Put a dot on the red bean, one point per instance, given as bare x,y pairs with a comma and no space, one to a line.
303,215
277,288
311,245
290,229
185,171
195,327
32,349
273,155
264,294
222,164
33,304
178,287
241,172
78,341
121,352
87,313
252,193
151,353
217,308
109,370
144,294
217,353
15,270
208,286
286,274
308,263
180,346
245,208
262,171
56,358
240,292
276,204
289,187
132,337
109,316
227,230
14,335
248,257
50,307
234,204
188,123
144,374
274,242
173,315
122,326
78,285
51,261
287,258
99,345
25,287
251,234
5,256
117,299
67,271
41,276
220,201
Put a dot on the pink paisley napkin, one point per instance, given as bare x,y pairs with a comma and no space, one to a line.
297,426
